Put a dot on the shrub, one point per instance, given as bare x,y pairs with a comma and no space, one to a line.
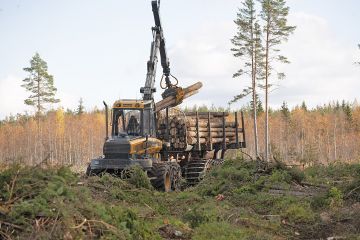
300,213
198,215
280,176
138,177
335,198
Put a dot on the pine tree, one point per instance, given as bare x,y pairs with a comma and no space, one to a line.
40,84
247,42
274,14
80,109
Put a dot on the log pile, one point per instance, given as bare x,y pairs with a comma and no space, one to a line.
185,130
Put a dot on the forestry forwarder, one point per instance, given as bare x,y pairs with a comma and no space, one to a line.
134,138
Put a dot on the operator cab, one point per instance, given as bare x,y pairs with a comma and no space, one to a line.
127,118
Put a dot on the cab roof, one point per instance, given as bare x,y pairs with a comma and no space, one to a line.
129,103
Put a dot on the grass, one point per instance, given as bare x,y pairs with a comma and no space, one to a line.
233,202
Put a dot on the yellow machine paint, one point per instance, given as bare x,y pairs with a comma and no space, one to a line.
140,145
129,104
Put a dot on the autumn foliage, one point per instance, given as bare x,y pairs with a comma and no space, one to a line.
299,136
324,135
61,139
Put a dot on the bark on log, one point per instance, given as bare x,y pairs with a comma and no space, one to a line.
213,134
213,129
213,124
205,114
193,140
171,100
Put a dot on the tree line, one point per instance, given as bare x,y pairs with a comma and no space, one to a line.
63,138
323,135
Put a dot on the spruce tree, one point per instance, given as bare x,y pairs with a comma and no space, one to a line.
276,30
285,111
259,107
40,84
303,106
80,109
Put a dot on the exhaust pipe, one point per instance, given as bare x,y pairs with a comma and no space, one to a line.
106,121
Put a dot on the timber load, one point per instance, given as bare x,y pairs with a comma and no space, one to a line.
202,131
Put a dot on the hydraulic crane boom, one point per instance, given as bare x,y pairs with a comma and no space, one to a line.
165,63
172,95
157,45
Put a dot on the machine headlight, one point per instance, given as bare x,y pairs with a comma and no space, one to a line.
96,162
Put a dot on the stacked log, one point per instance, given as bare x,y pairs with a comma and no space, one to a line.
185,130
176,131
172,101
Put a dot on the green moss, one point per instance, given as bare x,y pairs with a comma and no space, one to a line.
225,231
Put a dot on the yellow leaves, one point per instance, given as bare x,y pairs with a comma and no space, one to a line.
356,115
60,122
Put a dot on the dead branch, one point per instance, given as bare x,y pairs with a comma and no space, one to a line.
251,158
351,192
6,236
11,225
80,225
55,222
110,227
12,186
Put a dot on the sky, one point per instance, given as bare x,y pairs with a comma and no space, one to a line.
97,50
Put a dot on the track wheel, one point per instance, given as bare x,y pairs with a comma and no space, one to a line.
161,176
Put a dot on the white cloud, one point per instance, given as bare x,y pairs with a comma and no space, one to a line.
68,100
322,66
322,69
205,56
12,96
